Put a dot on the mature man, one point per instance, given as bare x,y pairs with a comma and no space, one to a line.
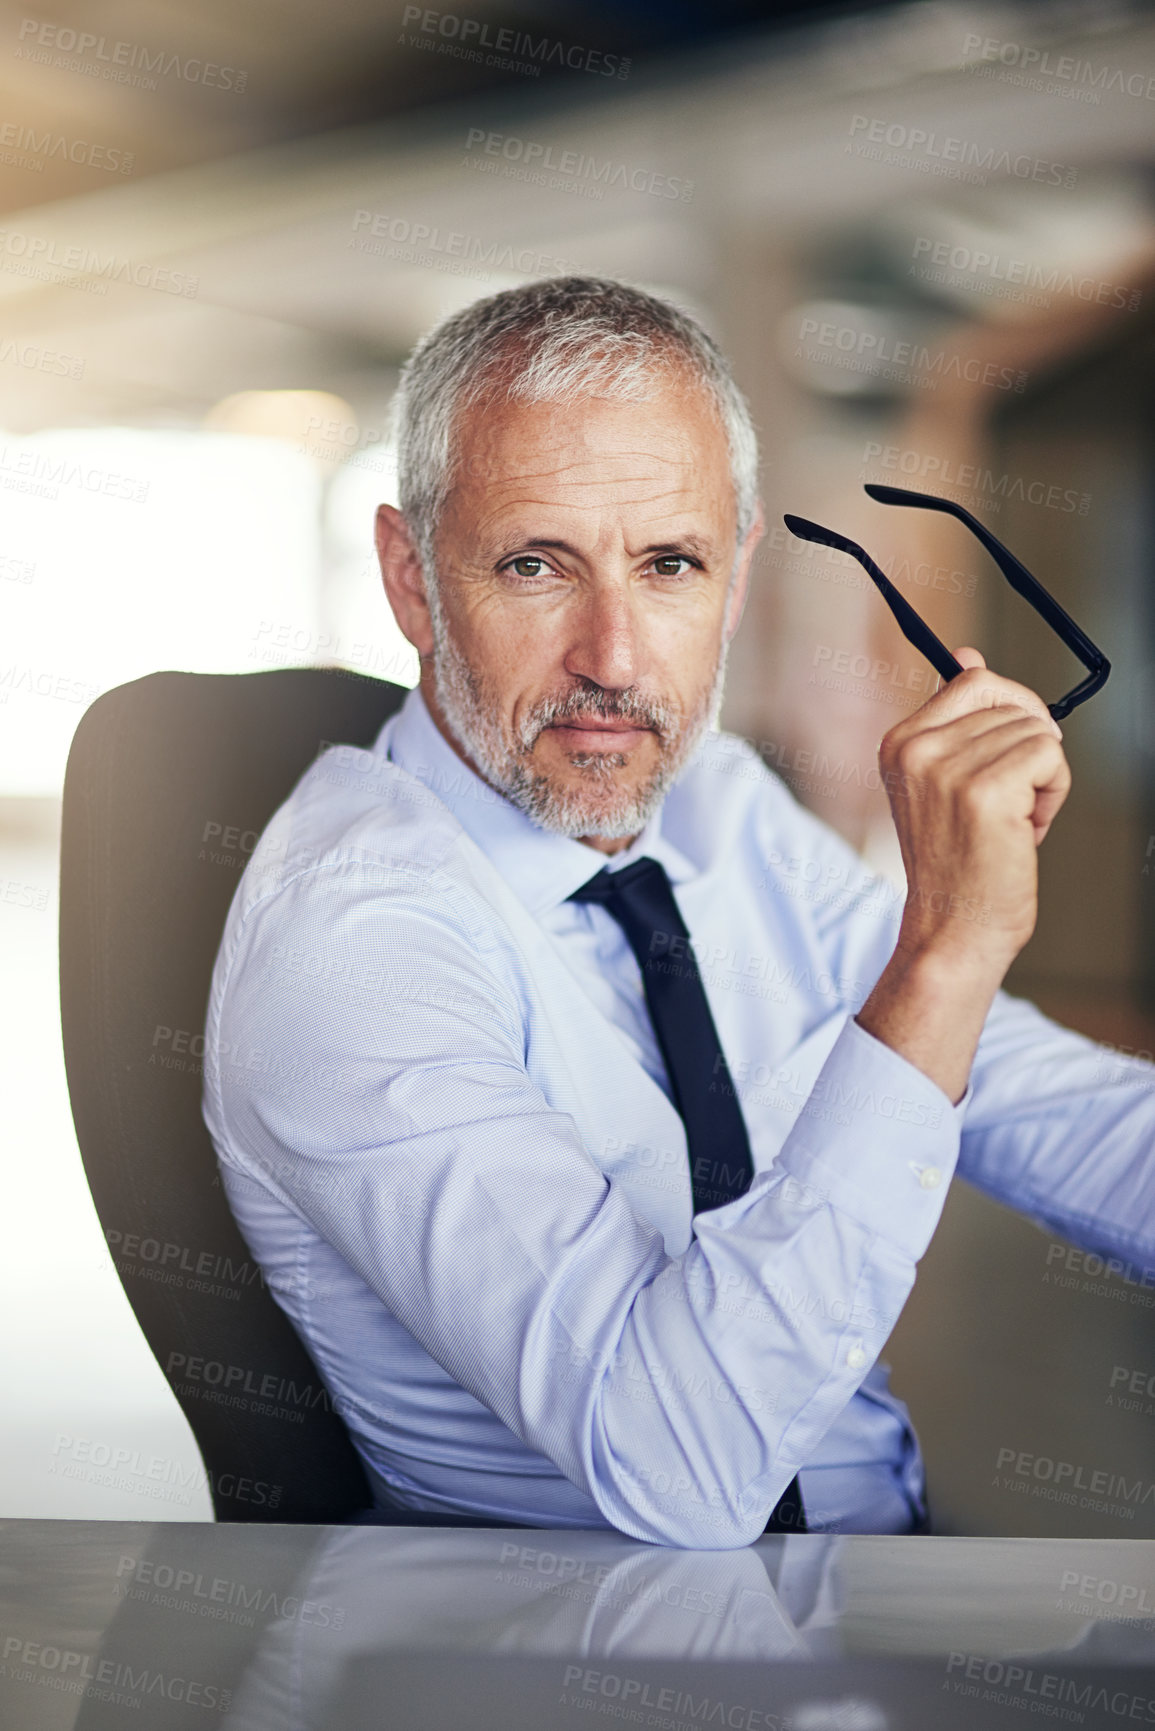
601,1149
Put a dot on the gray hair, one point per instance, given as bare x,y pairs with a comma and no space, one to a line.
553,340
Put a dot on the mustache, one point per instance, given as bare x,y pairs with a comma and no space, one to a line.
593,703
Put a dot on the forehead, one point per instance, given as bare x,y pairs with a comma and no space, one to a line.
593,449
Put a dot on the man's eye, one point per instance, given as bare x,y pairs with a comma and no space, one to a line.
529,565
671,565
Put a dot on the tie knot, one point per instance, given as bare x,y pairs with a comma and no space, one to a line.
645,875
641,900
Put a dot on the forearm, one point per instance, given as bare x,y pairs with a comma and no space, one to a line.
979,775
931,1010
1063,1130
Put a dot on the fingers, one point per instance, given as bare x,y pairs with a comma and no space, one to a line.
978,688
957,733
1030,778
960,747
987,761
989,740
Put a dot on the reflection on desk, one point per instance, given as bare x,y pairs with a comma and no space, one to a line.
268,1628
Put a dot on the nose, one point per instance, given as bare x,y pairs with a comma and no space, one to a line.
604,638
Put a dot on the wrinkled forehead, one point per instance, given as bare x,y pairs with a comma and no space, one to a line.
665,430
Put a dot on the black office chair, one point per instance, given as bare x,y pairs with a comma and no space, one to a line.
170,781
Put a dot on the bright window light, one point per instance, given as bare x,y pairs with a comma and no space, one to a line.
125,552
363,632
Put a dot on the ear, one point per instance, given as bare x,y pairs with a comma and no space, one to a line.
745,560
403,578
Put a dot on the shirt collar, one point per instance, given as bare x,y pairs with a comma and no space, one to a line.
542,869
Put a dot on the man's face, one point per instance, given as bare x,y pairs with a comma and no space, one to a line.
584,559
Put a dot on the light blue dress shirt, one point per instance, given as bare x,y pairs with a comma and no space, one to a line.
445,1128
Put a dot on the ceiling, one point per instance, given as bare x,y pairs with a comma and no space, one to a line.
131,78
303,231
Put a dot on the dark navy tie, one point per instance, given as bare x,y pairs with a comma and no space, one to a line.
642,902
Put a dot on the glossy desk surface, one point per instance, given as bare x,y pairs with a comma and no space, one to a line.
109,1624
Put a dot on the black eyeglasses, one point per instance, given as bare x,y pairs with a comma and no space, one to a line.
919,633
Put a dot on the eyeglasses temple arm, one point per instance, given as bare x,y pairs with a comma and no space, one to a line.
1063,706
915,629
1021,580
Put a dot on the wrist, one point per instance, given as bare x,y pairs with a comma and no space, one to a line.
929,1006
957,956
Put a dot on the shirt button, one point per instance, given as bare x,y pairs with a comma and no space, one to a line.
856,1358
930,1177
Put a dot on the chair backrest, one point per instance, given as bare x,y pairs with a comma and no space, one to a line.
170,781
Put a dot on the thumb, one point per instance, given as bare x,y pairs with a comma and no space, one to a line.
966,658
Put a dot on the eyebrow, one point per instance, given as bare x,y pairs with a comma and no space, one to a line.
692,544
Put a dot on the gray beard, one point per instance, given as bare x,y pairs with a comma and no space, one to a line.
597,807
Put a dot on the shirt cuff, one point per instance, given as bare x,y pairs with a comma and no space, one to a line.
877,1140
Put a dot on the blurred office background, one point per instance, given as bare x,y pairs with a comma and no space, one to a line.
926,235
